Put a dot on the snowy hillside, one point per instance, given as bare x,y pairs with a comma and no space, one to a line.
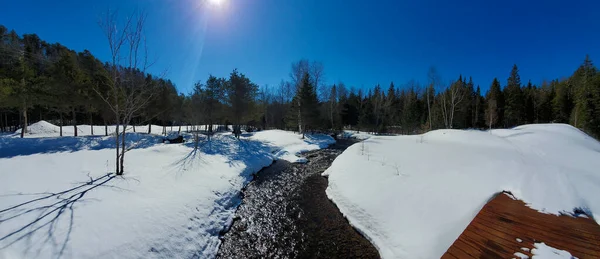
171,203
412,196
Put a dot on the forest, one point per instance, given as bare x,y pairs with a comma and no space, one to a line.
49,81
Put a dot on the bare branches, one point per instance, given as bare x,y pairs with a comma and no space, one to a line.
128,91
451,98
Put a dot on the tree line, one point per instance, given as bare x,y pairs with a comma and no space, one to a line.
44,81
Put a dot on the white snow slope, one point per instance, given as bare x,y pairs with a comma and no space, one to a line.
412,196
171,203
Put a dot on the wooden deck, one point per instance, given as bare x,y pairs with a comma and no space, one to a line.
495,231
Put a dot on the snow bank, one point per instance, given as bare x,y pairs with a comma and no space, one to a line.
356,134
544,251
289,145
44,129
171,203
412,196
13,146
41,128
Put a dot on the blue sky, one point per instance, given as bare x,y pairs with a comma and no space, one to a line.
361,43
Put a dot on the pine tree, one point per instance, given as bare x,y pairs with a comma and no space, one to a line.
494,101
529,107
513,112
478,109
304,109
563,102
241,94
333,107
545,96
367,113
350,110
586,96
467,107
390,107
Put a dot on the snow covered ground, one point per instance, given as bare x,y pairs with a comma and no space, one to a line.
171,202
43,129
290,145
360,135
412,196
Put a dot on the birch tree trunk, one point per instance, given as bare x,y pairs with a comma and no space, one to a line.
24,128
61,124
300,119
91,124
123,150
74,122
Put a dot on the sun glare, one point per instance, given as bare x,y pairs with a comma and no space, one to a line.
215,2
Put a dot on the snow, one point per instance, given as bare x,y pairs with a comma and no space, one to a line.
356,134
544,251
290,146
521,255
519,240
172,202
44,129
412,196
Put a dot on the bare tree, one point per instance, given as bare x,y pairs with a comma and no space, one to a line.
451,98
315,69
491,110
127,91
299,69
317,74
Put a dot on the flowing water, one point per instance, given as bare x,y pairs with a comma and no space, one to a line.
285,213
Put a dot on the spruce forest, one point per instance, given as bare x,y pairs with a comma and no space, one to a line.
49,81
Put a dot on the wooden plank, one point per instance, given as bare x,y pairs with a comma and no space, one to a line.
509,246
573,248
567,239
584,225
493,232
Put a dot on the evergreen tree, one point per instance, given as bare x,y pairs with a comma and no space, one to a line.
494,102
563,101
544,97
478,109
241,94
350,111
587,94
390,107
304,109
467,108
514,109
529,107
367,113
333,107
211,95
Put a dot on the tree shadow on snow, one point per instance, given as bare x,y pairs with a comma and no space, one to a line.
235,151
12,147
27,221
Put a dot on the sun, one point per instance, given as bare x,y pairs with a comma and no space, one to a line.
215,2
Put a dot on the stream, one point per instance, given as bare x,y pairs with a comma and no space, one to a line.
285,213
